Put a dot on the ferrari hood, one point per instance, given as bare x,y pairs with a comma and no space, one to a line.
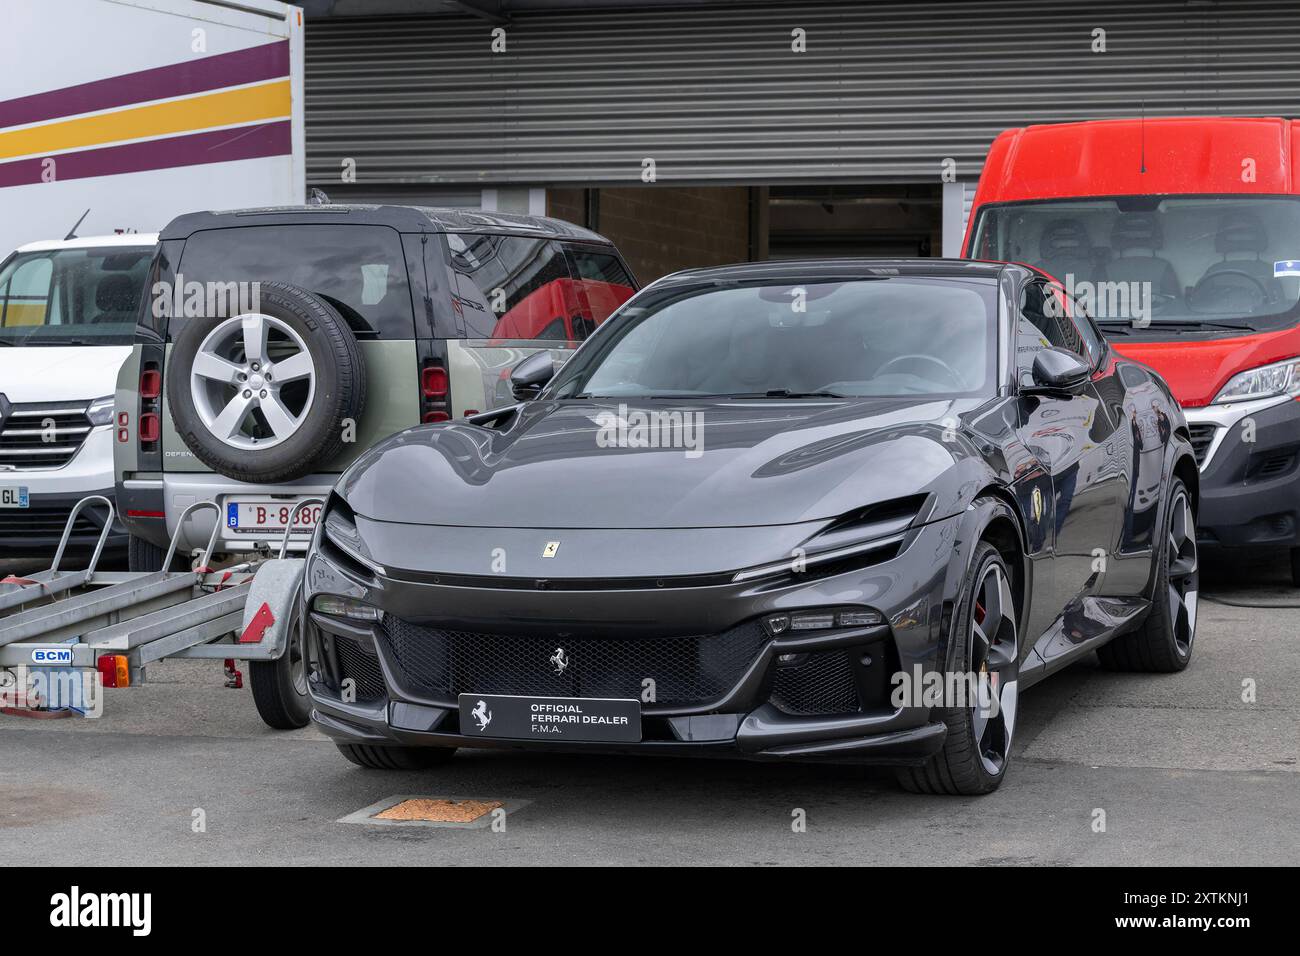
658,465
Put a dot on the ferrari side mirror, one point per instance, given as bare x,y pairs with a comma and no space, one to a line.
529,377
1058,370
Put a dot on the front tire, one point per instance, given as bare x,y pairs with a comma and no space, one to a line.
1163,643
977,748
373,757
1295,567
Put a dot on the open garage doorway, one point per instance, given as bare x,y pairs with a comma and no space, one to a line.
661,229
812,222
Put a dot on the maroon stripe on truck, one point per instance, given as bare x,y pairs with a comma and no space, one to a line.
192,149
265,62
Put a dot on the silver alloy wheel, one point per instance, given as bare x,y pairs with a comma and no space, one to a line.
1184,574
994,647
239,376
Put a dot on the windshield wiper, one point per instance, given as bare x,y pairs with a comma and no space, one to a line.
783,393
1186,324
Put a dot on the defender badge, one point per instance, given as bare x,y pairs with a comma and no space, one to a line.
550,549
559,661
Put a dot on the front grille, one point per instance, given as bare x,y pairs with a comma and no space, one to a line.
685,670
47,521
821,683
43,436
1202,437
361,666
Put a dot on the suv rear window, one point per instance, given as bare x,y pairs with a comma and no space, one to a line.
521,288
360,270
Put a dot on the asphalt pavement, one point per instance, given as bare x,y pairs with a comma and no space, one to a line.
1109,769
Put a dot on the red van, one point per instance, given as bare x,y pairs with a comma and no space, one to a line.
1182,238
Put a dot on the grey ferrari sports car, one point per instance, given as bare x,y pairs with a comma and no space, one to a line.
831,511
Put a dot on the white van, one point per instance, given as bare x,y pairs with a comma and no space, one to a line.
68,310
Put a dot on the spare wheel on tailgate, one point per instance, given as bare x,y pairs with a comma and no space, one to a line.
264,396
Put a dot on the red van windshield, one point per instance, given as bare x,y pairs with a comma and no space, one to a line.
1173,260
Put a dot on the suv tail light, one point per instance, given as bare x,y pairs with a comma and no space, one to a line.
149,428
148,424
435,390
434,382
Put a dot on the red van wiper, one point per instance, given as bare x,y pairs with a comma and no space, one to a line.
1127,325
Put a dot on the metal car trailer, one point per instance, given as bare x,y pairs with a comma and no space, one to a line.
105,627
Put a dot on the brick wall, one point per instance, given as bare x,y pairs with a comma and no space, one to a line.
567,204
661,229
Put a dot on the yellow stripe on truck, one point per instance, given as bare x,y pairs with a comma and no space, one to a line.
226,108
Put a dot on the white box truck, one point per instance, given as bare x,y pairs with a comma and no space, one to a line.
117,116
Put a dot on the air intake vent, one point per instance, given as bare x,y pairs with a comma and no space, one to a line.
359,665
1202,437
820,683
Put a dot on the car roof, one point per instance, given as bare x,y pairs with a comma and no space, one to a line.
142,240
401,218
1123,157
798,270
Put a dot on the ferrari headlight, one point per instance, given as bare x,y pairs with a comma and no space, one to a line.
1280,378
822,619
345,607
100,411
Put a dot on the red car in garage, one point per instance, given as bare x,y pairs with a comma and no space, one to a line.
1182,238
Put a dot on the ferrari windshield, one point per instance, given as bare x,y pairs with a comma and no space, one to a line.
1189,260
895,336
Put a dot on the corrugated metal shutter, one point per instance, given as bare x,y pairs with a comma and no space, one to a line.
885,91
406,194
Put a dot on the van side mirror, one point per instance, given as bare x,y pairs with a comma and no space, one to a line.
1058,370
529,377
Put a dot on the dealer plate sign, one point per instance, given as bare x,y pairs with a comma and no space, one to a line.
608,720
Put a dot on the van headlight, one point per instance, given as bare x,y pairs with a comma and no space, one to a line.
1280,378
100,411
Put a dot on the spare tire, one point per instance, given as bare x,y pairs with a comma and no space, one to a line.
265,396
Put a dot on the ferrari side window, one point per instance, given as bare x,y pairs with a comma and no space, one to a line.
1043,323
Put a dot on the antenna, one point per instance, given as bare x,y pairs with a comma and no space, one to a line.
72,233
1142,126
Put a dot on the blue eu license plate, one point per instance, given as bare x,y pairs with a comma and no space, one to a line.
13,497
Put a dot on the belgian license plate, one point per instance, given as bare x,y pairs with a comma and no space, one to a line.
13,497
269,516
609,720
